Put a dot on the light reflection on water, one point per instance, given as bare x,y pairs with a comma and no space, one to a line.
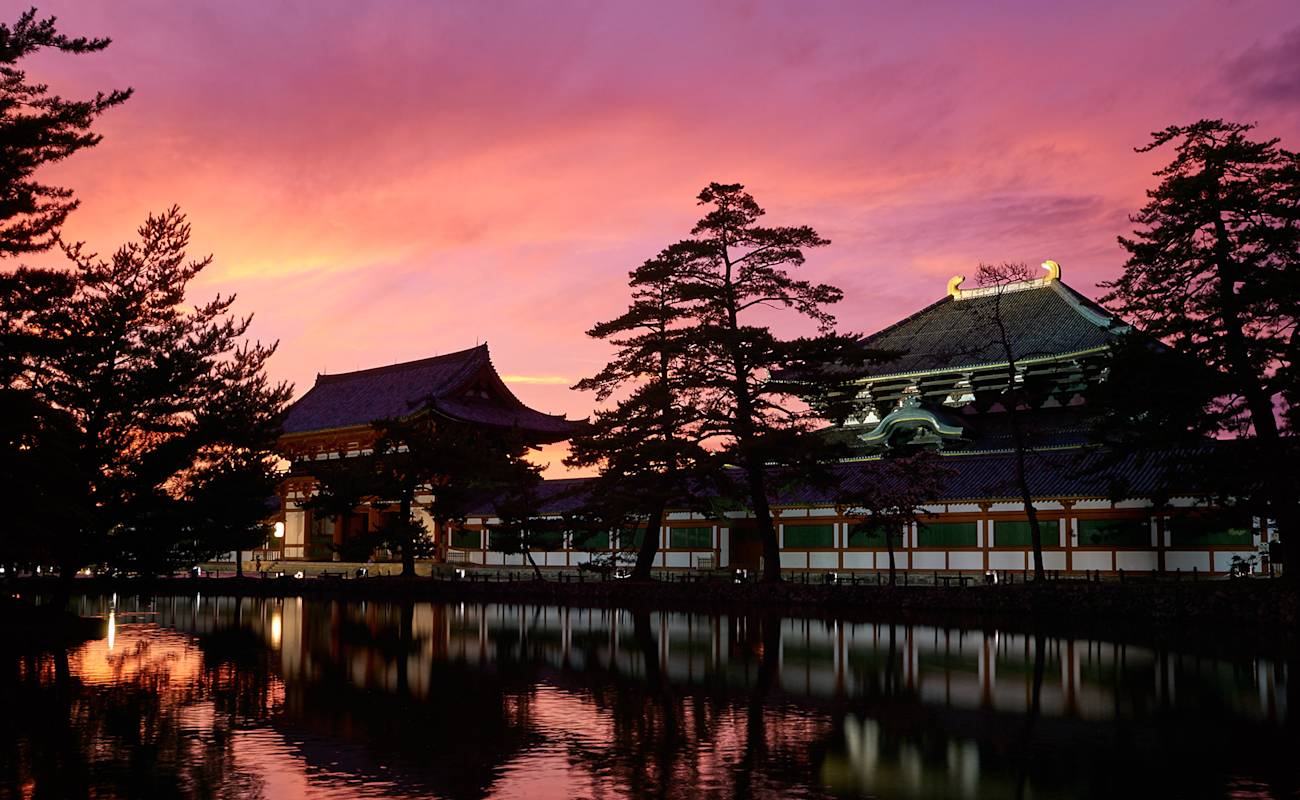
218,697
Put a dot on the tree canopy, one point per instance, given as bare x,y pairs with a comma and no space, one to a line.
39,128
1214,271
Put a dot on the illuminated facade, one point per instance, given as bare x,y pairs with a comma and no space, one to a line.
333,420
957,358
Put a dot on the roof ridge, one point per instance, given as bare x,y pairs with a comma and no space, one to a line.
399,367
1090,309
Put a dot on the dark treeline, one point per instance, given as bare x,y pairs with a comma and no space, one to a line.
137,431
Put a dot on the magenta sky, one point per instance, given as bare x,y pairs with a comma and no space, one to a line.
381,182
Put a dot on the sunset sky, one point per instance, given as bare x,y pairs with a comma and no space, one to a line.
381,182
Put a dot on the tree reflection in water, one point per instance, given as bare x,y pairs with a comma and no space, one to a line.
217,697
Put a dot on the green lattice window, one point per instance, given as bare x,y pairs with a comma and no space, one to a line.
632,538
1016,533
1199,531
503,541
947,534
1132,532
875,537
806,536
591,541
690,538
546,541
466,540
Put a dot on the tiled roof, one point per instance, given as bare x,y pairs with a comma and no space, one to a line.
1064,474
445,383
1047,319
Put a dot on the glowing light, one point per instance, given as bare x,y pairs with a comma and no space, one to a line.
112,629
279,530
277,629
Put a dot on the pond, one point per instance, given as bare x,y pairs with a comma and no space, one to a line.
288,698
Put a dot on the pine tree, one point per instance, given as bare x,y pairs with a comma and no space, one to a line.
38,128
759,396
1214,272
166,403
39,476
647,446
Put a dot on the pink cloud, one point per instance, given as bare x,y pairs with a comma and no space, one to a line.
383,182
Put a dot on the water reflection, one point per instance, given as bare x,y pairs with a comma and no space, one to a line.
219,697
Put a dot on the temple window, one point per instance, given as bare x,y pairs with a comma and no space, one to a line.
1218,529
947,534
466,539
809,536
1017,533
1131,532
690,538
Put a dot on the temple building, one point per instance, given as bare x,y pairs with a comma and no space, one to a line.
334,420
954,361
941,387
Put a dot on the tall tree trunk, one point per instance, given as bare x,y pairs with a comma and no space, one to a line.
239,563
1026,496
645,554
1258,402
537,571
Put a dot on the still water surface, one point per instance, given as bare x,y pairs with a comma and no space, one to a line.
251,698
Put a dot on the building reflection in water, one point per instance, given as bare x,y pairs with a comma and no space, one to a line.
293,697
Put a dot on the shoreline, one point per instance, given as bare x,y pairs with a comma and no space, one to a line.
1261,615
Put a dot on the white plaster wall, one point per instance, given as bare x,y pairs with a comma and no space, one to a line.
967,561
823,560
1053,560
294,528
1223,558
901,560
931,560
1092,560
794,560
1186,560
1006,560
579,557
1135,561
723,537
858,561
677,559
